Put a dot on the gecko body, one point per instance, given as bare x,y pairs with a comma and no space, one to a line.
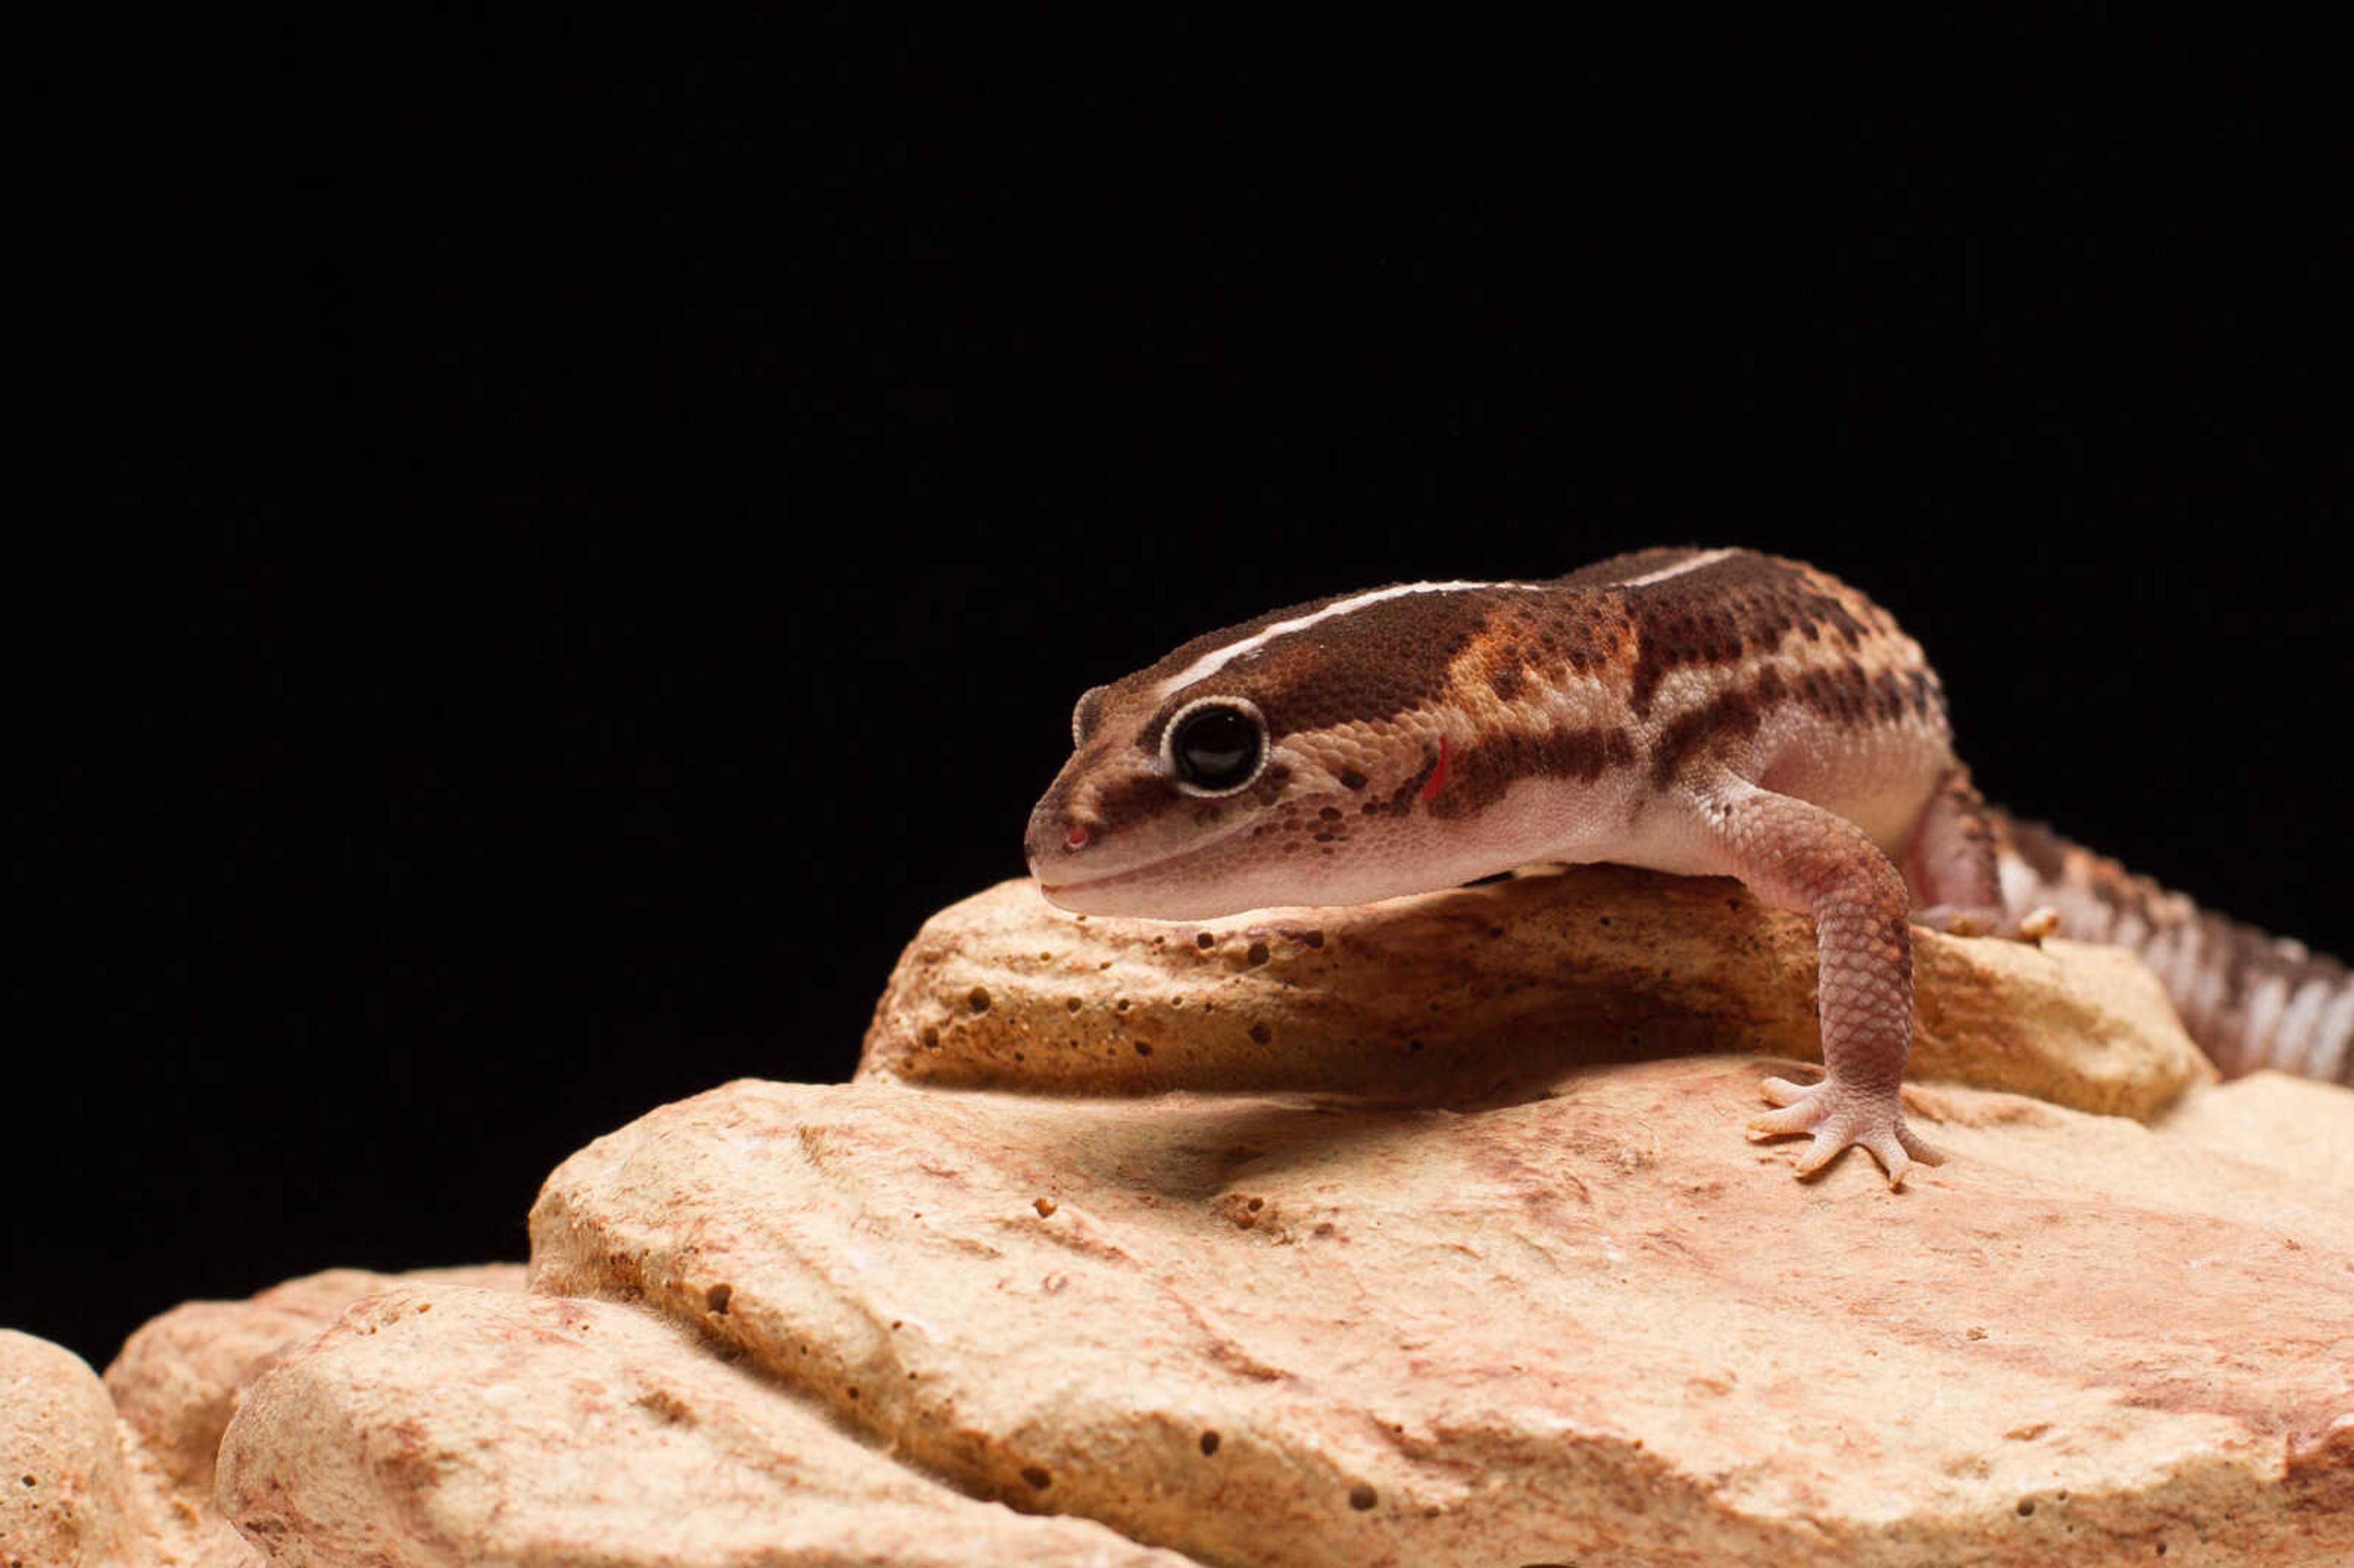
1707,712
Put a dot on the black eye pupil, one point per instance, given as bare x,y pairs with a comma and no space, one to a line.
1216,748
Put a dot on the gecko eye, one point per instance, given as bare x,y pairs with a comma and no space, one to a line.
1084,716
1214,745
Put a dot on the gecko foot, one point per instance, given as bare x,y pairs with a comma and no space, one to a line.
1837,1116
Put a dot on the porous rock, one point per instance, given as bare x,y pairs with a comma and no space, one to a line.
68,1494
1504,984
178,1379
453,1426
119,1471
1591,1324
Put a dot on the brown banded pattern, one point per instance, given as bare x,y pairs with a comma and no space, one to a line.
2249,999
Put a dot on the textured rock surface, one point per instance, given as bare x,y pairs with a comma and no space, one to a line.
1595,1326
1504,985
120,1472
178,1379
68,1493
1517,1300
449,1426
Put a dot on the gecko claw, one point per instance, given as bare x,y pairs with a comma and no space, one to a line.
1834,1117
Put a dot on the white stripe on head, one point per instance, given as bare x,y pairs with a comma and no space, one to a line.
1690,564
1217,659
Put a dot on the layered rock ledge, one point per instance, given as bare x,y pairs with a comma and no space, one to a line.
1501,985
1510,1286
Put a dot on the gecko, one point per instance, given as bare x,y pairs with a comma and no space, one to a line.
1706,712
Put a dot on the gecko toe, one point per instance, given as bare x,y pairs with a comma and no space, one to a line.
1828,1145
1833,1117
1919,1148
1795,1116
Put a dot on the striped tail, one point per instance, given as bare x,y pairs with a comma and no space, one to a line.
2251,1001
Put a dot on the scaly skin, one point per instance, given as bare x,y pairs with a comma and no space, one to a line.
1702,712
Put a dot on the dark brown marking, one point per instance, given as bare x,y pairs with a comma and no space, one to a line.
1352,780
1369,663
2045,852
1400,800
1484,771
1730,716
1888,696
1740,607
1436,780
1132,799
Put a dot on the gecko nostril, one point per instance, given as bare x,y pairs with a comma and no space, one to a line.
1078,837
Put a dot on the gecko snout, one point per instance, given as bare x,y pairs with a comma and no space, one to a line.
1056,831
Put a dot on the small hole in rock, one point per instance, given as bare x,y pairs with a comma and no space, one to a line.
718,1296
1209,1444
1206,941
1361,1496
1038,1478
2026,1507
1257,953
979,1000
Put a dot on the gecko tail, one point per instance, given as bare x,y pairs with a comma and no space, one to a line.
2249,999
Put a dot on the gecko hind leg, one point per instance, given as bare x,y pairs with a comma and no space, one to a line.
1949,865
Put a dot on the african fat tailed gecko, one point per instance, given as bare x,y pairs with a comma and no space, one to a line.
1707,712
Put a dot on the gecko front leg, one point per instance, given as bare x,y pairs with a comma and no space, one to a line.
1796,856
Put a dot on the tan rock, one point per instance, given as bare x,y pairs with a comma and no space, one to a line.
178,1378
2296,1125
120,1471
1502,985
68,1494
1592,1325
450,1426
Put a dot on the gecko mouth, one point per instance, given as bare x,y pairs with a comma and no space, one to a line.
1129,877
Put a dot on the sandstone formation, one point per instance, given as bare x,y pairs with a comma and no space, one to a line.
1593,1325
458,1426
1435,1252
1500,986
68,1494
120,1473
180,1378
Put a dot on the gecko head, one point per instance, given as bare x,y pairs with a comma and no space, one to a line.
1245,769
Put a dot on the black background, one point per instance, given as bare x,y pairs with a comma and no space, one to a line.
566,544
